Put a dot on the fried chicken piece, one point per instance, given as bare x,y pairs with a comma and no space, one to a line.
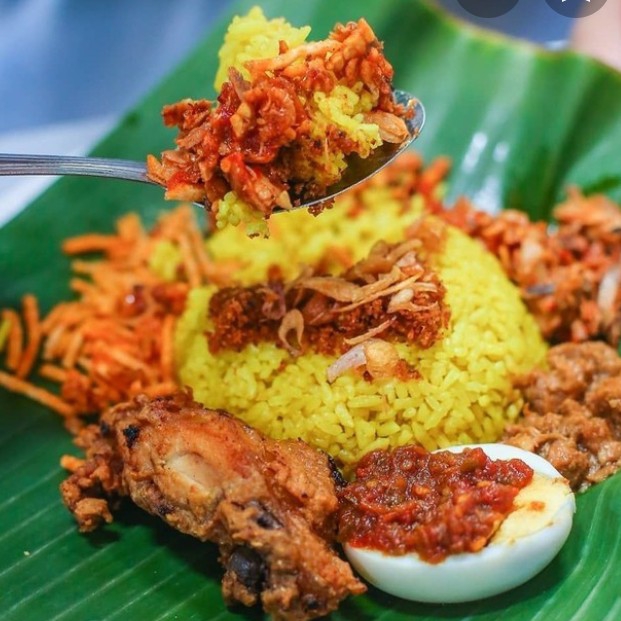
96,483
269,505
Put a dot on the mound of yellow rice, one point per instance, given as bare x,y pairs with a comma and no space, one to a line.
254,37
465,393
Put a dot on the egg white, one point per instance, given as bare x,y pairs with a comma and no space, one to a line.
502,565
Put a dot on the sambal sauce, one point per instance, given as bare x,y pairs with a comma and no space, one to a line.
434,504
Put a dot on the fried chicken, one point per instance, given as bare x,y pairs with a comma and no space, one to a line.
269,505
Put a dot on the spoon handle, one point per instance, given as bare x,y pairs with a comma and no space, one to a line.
14,164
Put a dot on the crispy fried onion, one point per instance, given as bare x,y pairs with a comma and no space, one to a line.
380,358
370,333
609,292
390,295
387,270
293,321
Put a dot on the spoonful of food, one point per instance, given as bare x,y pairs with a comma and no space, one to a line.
291,126
357,168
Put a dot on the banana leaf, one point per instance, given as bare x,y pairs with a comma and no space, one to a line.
520,124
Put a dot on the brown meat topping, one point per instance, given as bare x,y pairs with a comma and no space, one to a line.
572,415
270,506
392,293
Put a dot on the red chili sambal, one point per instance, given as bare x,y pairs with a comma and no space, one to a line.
434,504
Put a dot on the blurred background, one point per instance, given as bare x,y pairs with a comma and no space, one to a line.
107,54
69,68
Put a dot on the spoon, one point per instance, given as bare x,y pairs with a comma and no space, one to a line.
358,169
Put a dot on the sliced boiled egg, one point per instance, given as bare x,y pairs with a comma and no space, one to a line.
526,541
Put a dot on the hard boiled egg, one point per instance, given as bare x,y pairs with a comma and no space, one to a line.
527,540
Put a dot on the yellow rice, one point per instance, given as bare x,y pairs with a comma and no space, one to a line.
465,394
254,37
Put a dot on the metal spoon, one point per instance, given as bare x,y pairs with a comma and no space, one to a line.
358,169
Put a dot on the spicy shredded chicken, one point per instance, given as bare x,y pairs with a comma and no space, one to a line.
258,139
569,275
392,294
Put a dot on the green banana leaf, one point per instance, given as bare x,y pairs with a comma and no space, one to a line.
521,125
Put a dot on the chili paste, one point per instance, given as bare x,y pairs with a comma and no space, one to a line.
434,504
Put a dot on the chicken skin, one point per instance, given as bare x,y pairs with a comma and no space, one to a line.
269,505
